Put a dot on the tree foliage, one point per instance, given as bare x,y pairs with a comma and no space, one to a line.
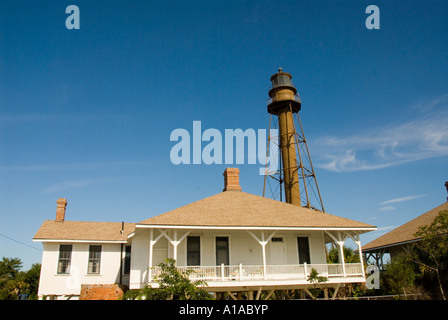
173,285
399,275
431,252
349,255
315,279
15,283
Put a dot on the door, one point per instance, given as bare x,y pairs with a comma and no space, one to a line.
193,251
303,245
222,251
278,250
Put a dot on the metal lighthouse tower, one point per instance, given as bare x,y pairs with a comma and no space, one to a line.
295,177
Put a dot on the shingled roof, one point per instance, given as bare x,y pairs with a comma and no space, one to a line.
84,231
241,209
231,208
404,233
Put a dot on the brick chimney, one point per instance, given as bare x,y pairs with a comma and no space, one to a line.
60,209
232,179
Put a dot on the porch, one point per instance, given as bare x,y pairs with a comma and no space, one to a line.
254,273
241,259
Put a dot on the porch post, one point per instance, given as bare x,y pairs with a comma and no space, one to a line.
263,245
175,242
360,257
339,240
357,240
151,244
382,254
341,256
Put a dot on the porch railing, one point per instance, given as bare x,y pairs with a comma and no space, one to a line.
272,272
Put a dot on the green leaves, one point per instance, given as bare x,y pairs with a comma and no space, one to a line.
315,278
173,285
431,252
14,282
349,255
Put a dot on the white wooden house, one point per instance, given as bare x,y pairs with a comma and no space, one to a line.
77,253
236,241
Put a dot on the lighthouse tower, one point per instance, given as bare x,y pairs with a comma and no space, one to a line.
296,177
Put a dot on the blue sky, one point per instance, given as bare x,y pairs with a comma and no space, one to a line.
87,114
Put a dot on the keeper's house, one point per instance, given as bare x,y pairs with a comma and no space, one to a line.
237,242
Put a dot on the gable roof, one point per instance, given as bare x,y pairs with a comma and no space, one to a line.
226,209
405,232
241,209
83,231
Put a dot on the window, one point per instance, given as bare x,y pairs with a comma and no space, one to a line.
94,260
277,239
127,260
193,251
65,256
304,250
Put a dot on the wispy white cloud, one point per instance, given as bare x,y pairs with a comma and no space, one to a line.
387,208
43,117
425,136
349,161
27,118
386,228
73,184
402,199
378,232
68,167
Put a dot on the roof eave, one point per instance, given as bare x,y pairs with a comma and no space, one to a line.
390,245
79,240
211,227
